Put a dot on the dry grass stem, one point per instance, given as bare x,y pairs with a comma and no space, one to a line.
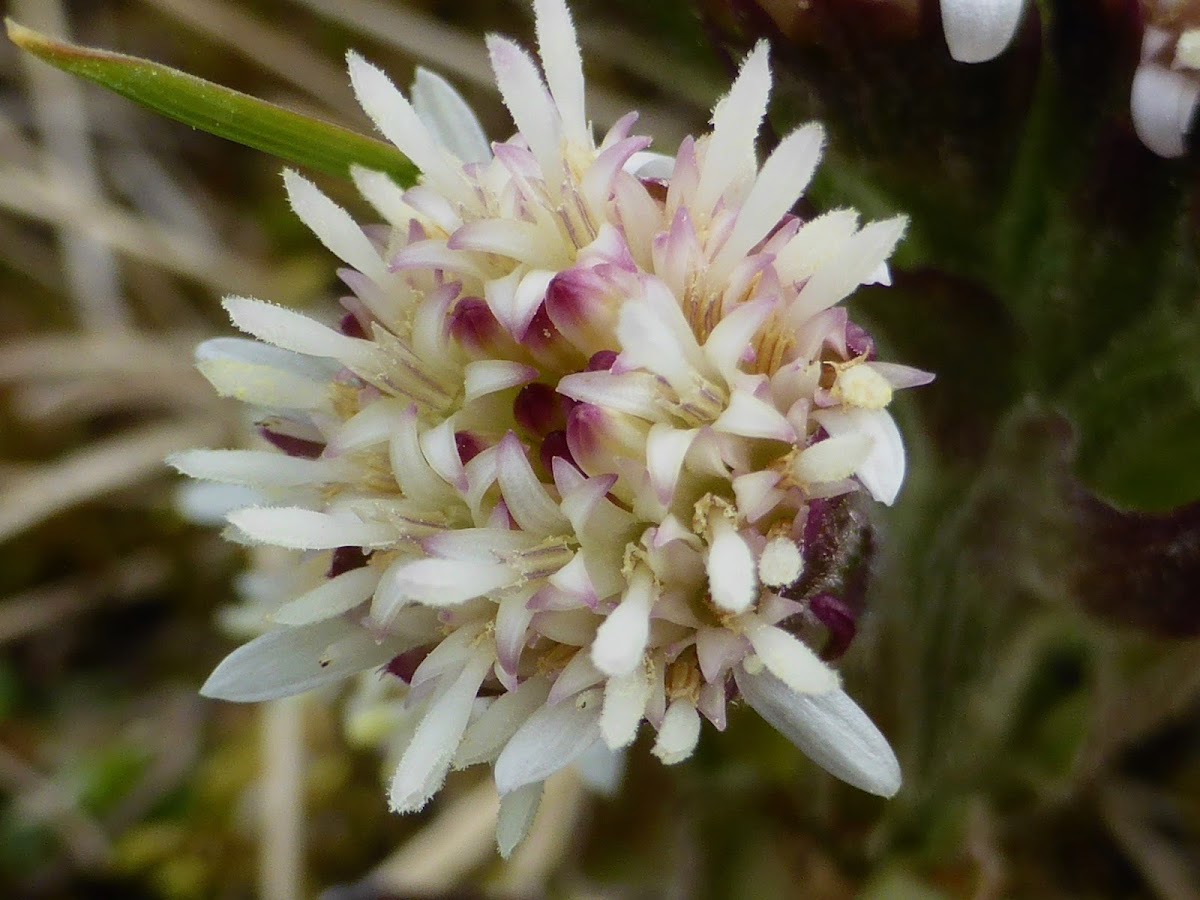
49,606
61,113
554,832
42,799
281,822
100,468
56,203
460,838
270,47
1130,811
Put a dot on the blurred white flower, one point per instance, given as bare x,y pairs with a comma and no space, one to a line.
554,469
1166,90
980,30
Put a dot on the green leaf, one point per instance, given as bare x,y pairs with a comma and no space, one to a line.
218,110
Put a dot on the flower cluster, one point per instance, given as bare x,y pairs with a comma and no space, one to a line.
556,467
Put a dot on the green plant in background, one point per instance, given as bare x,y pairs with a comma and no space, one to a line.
1026,641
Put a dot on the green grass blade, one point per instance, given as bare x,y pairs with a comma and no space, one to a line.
219,110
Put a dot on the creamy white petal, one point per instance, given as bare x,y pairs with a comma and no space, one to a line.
577,675
529,103
559,50
828,728
449,582
333,226
791,660
263,385
296,332
449,118
979,30
882,472
748,416
679,734
383,194
666,448
518,809
258,468
817,242
735,121
426,759
487,735
833,459
552,738
487,376
305,529
208,503
848,268
527,498
780,183
400,124
621,638
601,768
294,660
332,598
625,699
732,572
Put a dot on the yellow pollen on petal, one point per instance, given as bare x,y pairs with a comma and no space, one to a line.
862,387
684,678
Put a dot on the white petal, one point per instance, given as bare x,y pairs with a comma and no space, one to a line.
666,447
559,49
448,582
333,226
727,342
256,353
552,738
679,733
257,468
647,164
849,267
529,103
817,241
635,393
305,529
383,194
426,759
527,498
748,416
1163,104
979,30
829,728
400,124
487,376
832,459
735,120
625,699
208,503
332,598
882,472
622,636
263,385
292,331
732,572
791,660
577,675
517,812
292,660
487,735
601,768
716,650
449,118
779,185
370,426
512,624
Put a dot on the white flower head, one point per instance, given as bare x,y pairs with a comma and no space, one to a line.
555,469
